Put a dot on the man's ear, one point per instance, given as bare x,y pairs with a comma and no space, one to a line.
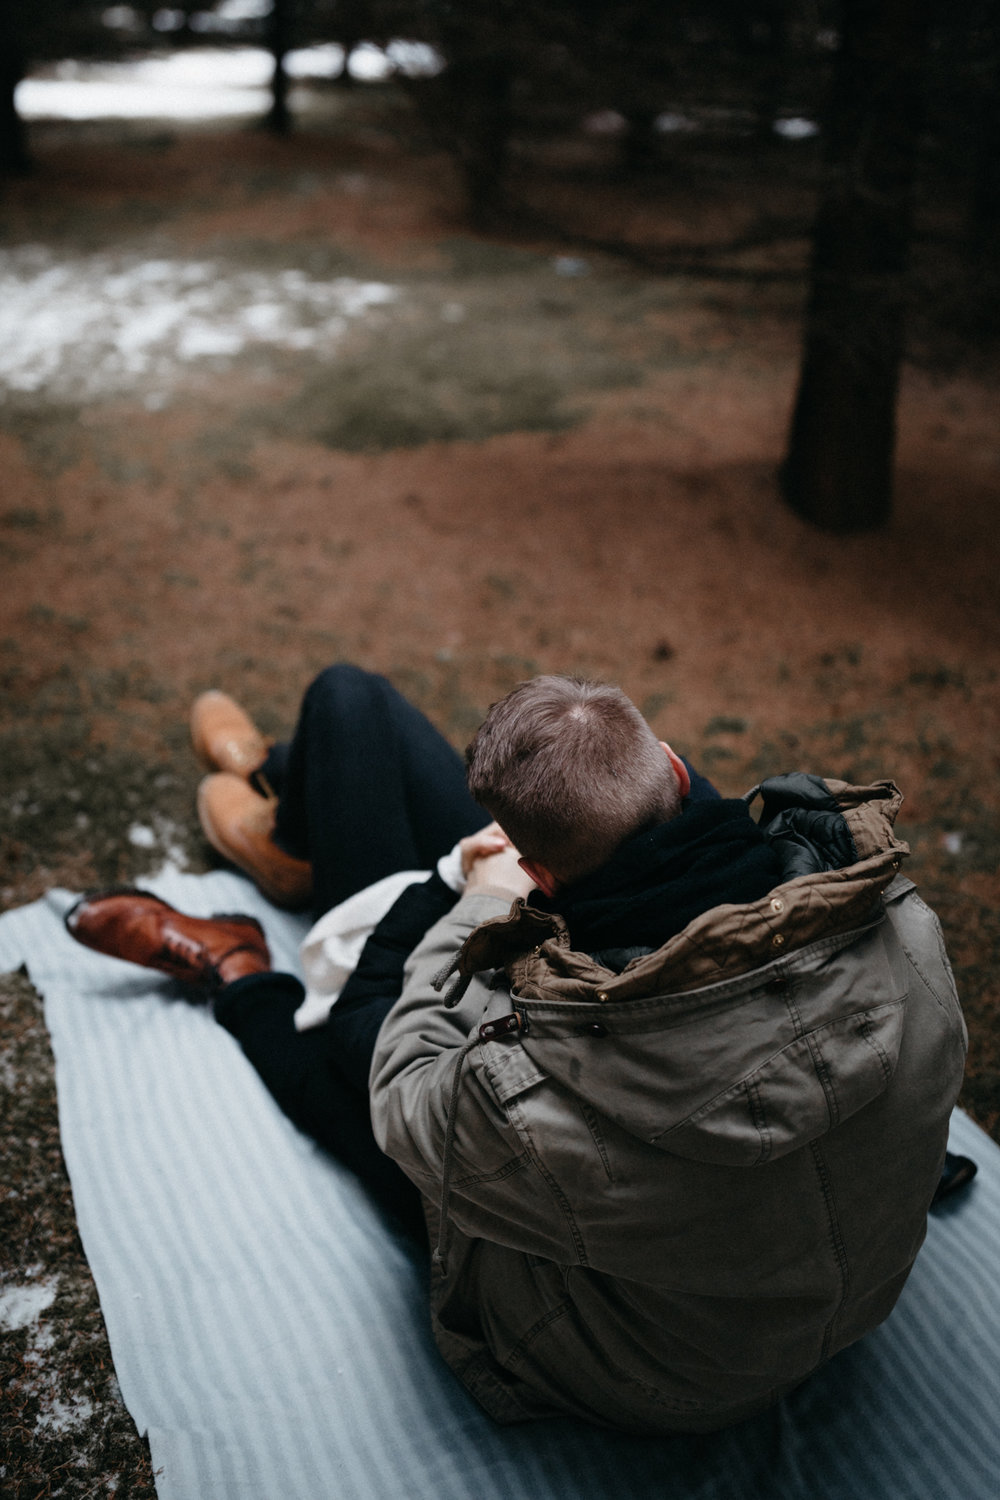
683,777
543,878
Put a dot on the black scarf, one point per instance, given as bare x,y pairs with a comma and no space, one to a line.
661,879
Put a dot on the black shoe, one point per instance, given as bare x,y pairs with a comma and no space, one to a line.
958,1172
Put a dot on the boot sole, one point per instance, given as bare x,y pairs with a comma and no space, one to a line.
241,917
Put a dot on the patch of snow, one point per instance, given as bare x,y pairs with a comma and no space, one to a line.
168,19
163,835
413,59
201,83
43,1338
198,84
796,129
952,842
88,326
198,339
121,18
59,1414
23,1305
671,123
168,838
245,10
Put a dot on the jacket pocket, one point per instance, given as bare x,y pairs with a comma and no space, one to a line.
808,1088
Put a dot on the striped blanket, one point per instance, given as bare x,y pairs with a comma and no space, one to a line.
272,1338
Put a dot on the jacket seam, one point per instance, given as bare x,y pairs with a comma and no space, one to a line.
758,1114
515,1164
669,1403
946,1005
591,1118
553,1186
917,968
820,1066
836,1241
867,1035
514,1356
478,1372
822,1071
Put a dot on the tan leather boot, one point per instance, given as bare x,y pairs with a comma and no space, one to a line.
239,823
224,736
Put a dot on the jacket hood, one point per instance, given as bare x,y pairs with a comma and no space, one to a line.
748,1034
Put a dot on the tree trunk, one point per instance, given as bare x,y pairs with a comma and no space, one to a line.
352,22
279,118
640,150
984,205
838,472
14,158
768,46
478,118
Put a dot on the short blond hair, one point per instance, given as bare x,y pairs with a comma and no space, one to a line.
570,769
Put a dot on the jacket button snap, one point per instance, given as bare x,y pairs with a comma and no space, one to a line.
777,941
594,1029
602,994
777,904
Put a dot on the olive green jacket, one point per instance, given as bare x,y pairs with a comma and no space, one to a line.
662,1198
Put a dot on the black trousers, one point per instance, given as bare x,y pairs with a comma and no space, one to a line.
366,787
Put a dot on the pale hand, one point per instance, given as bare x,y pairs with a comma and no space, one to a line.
489,840
500,871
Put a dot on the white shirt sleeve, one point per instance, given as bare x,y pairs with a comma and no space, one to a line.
331,949
449,867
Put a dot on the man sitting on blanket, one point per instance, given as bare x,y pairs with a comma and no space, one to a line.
670,1085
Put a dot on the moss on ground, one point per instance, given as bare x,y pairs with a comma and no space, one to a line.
76,814
64,1430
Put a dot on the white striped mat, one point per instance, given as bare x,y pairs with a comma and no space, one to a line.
272,1339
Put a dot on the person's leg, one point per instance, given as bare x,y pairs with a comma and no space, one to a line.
368,786
319,1079
304,1072
320,1076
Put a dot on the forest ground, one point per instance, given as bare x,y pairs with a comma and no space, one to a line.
524,454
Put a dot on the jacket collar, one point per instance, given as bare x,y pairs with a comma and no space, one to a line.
534,947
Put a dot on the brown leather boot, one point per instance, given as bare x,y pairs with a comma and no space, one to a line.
224,736
140,927
238,823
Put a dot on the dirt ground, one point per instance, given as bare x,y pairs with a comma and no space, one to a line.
530,457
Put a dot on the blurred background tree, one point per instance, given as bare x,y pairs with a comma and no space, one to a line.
34,31
905,95
511,70
914,114
838,471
